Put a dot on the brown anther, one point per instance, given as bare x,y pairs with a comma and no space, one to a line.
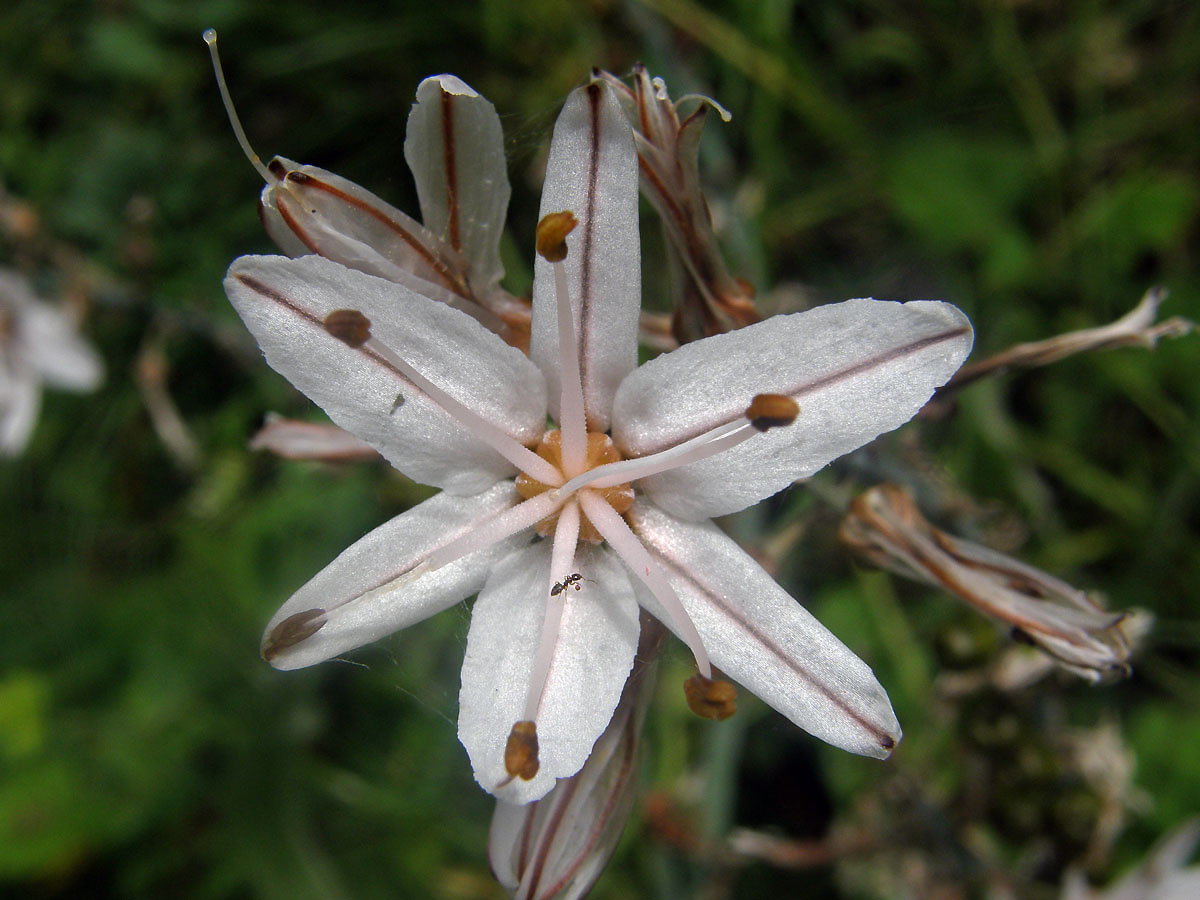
297,177
552,234
710,698
292,631
771,411
349,326
521,751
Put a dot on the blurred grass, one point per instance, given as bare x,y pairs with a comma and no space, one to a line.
1035,163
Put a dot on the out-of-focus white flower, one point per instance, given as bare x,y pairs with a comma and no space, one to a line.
1161,876
622,489
38,345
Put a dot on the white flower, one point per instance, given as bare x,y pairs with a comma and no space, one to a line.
38,344
622,489
1161,876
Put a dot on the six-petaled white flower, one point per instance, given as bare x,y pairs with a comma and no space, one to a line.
620,489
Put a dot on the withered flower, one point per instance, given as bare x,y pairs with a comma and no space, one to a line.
885,527
708,300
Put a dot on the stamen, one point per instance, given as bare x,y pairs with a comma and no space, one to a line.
572,415
700,447
354,329
562,559
710,698
517,518
210,38
521,751
552,234
627,546
766,411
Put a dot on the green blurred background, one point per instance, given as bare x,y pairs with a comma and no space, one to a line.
1034,162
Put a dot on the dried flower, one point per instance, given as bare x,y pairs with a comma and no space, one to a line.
708,300
1137,328
885,527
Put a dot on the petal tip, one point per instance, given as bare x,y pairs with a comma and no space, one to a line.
449,84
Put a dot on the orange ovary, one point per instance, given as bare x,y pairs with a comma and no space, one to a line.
600,451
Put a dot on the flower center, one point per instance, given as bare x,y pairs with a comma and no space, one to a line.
600,451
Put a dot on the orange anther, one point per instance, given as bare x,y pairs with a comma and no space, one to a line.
710,698
521,751
552,234
772,410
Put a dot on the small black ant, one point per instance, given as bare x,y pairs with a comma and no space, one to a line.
560,586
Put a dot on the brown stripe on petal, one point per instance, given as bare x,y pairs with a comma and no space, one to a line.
271,294
293,223
587,244
291,631
436,263
451,165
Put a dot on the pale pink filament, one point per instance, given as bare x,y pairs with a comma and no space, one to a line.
719,439
562,563
572,416
626,545
504,444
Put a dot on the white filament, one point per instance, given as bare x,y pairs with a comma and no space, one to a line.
572,416
210,38
562,563
625,543
504,444
700,447
513,520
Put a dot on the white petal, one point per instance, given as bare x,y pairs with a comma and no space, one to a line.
20,400
455,148
857,369
284,302
592,172
311,210
760,636
363,595
54,349
556,847
592,658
